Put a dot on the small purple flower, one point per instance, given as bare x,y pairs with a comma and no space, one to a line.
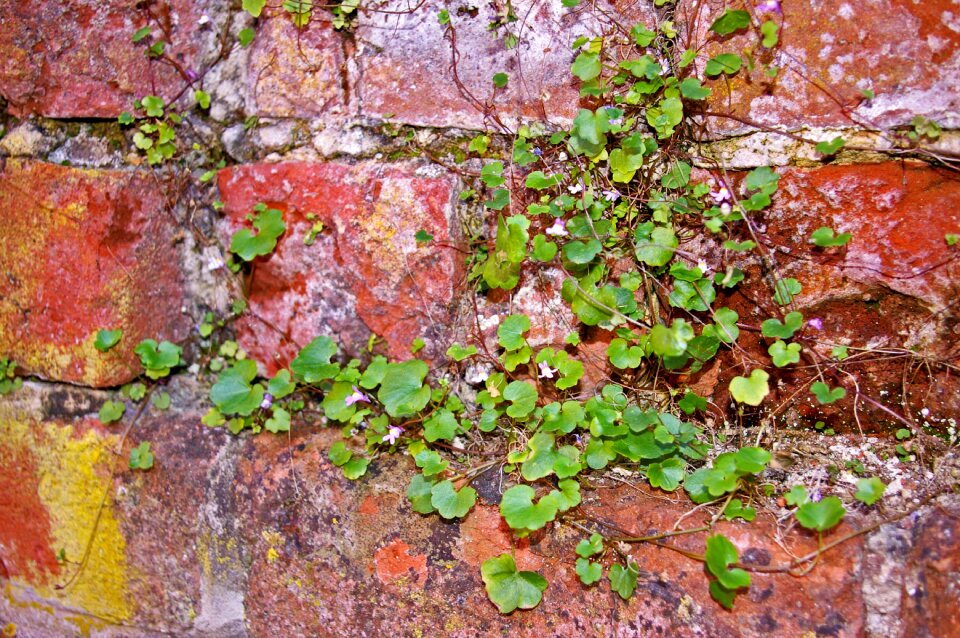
393,433
192,75
559,229
611,195
546,372
770,6
720,195
267,402
816,323
356,396
537,152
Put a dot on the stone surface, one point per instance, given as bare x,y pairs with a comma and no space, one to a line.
365,273
82,250
405,62
907,53
76,59
296,72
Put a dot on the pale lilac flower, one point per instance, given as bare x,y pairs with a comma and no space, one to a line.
559,229
725,208
267,402
356,396
721,195
192,75
546,372
562,157
215,262
611,195
703,266
770,6
816,323
575,188
393,433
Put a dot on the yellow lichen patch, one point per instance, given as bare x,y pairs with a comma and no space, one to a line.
73,470
395,204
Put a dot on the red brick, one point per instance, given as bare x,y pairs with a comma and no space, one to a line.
405,64
905,52
84,250
365,273
296,72
75,58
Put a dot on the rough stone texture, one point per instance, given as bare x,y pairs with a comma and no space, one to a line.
82,250
405,63
366,273
262,536
296,72
907,53
75,58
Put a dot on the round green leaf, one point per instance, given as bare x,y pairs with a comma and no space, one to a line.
402,390
821,516
449,502
750,390
869,490
312,364
508,588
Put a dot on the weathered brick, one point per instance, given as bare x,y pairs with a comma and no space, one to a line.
406,63
76,59
366,273
905,52
82,250
296,72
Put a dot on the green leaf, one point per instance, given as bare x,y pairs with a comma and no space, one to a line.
107,339
691,89
667,475
642,36
751,460
141,458
785,289
825,395
202,98
153,105
543,249
160,400
691,402
521,513
279,422
825,237
449,502
141,33
233,394
796,496
355,468
158,359
720,554
479,144
588,135
246,36
727,63
869,490
442,425
269,225
783,354
735,509
281,385
730,21
624,356
672,341
430,462
339,454
254,7
782,330
588,571
770,32
663,117
831,147
312,364
459,353
587,548
725,325
655,246
677,177
750,390
578,252
623,580
112,411
420,494
511,330
500,80
537,180
624,165
523,398
586,66
508,588
740,246
821,516
402,390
